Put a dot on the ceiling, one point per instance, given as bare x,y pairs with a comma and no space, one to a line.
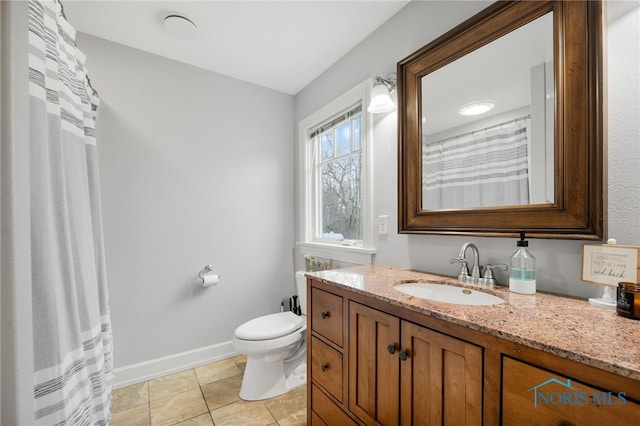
499,72
282,45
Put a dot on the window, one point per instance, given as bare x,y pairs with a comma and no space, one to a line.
338,175
335,199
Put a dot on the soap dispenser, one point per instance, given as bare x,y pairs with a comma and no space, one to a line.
523,269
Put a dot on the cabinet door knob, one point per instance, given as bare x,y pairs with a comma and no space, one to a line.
403,355
391,348
324,367
325,315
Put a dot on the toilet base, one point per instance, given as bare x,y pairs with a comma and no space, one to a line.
266,378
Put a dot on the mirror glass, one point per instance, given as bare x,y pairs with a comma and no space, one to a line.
505,155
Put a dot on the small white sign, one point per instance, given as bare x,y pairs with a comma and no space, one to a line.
610,264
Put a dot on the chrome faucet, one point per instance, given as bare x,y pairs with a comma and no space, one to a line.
476,270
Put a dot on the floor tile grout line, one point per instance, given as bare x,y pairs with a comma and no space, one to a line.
238,363
148,403
206,404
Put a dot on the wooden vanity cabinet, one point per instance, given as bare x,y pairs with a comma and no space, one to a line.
367,366
403,373
371,362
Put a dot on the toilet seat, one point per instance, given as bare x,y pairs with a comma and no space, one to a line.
270,326
263,346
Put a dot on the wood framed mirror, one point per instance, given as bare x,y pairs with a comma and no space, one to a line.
534,164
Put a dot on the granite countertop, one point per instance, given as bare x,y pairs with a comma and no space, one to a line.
563,326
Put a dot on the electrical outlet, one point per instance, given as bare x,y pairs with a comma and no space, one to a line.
383,224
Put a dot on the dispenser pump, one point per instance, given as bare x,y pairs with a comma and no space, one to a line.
523,276
522,242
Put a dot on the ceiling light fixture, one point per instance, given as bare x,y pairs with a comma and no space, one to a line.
180,26
476,108
381,94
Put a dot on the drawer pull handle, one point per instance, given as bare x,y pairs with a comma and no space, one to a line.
391,348
403,355
324,367
325,315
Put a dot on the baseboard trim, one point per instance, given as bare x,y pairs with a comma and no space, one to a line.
136,373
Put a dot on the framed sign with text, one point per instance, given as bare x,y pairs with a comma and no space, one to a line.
610,264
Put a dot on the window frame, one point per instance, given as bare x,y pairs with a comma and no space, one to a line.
336,156
345,251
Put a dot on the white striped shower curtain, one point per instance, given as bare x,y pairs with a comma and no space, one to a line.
484,168
71,323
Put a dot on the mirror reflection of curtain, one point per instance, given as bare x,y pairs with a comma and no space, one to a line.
483,168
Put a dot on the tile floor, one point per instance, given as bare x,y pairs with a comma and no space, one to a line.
206,395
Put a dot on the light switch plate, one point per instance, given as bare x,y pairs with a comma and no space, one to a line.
383,224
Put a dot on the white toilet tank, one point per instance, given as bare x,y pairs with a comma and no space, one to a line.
301,283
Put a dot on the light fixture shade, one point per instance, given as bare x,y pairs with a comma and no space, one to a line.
476,108
380,100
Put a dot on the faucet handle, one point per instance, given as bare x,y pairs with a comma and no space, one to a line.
488,272
464,270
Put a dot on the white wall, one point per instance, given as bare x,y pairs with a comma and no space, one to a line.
16,366
624,120
558,261
196,168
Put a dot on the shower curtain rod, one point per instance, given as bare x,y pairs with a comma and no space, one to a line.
513,120
493,126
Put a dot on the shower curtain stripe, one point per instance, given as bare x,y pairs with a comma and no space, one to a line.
487,167
72,326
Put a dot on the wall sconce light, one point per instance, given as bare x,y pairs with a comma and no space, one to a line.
381,94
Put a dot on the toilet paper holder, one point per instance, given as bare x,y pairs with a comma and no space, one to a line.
206,270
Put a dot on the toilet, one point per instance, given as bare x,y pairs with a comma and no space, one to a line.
276,350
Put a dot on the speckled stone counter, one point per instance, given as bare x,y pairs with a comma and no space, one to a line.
563,326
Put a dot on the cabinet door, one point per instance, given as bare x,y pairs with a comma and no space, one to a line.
532,395
373,365
441,379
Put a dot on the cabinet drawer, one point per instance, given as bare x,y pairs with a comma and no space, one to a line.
326,367
326,315
326,412
532,393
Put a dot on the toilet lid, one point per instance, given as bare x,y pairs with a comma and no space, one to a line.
270,326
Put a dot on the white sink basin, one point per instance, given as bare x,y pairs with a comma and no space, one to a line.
448,294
